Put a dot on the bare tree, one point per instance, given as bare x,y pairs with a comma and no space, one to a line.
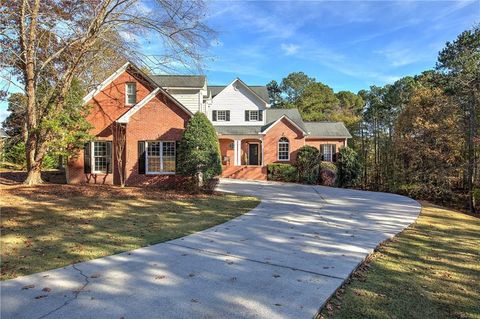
119,132
45,44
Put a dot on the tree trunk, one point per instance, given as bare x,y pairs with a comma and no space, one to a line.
471,156
34,176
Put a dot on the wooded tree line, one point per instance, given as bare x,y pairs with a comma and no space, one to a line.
418,136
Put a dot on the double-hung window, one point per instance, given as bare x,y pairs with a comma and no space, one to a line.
98,157
160,157
253,116
131,93
327,152
221,115
283,149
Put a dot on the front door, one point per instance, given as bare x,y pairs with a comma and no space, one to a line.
252,154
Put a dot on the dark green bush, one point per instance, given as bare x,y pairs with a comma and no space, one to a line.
199,150
308,162
348,167
282,172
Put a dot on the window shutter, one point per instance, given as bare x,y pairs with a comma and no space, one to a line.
260,115
214,116
322,151
141,157
228,116
109,157
247,117
334,153
87,158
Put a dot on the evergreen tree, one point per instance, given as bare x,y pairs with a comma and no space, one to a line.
199,150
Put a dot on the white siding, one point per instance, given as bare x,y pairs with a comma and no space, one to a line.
189,98
236,98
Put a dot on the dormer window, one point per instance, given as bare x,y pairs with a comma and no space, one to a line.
253,116
131,93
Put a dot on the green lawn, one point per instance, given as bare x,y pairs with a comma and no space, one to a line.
430,270
51,226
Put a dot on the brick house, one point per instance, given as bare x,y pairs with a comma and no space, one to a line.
154,110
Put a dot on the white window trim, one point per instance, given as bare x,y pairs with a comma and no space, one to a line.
147,172
126,93
92,158
278,151
218,115
331,153
254,119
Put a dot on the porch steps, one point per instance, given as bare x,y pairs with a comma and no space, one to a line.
246,172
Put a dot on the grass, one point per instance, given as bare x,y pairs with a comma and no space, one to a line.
430,270
50,226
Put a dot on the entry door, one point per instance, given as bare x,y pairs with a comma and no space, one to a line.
252,154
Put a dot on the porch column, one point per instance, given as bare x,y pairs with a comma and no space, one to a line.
237,152
261,162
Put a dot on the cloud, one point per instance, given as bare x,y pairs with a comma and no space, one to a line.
289,49
3,115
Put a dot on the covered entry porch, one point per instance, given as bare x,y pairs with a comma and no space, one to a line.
242,157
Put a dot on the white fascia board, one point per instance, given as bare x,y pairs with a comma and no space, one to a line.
104,84
126,117
248,88
287,118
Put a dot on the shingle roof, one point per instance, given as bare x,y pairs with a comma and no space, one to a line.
183,81
274,114
327,129
238,129
261,91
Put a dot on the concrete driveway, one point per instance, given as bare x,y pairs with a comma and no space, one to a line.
281,260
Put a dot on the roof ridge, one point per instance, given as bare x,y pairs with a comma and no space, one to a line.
191,75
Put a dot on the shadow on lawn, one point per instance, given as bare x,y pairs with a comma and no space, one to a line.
430,270
50,226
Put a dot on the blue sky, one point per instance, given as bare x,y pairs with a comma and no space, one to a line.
348,45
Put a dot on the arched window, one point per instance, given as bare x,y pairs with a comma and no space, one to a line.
283,149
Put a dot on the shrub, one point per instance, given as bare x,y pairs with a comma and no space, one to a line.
327,177
282,172
308,162
348,167
199,150
328,165
428,192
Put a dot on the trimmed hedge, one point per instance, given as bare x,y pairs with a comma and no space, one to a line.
282,172
308,160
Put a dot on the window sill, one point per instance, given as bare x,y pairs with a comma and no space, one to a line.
160,173
283,160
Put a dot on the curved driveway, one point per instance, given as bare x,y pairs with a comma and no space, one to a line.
281,260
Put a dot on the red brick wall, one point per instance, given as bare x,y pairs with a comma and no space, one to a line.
160,119
287,129
225,150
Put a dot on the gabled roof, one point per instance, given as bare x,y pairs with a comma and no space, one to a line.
327,129
260,91
126,117
132,66
180,81
273,115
